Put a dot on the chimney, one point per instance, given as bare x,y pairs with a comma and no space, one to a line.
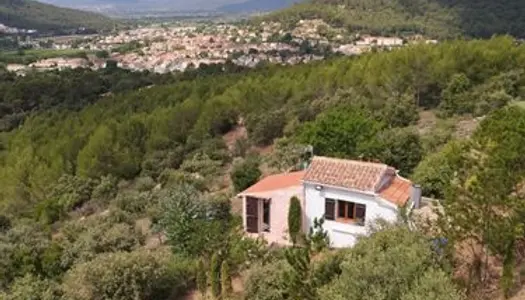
415,195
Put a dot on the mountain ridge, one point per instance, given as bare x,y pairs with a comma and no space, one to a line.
28,14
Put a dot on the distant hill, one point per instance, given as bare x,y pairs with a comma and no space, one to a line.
28,14
438,18
257,5
145,5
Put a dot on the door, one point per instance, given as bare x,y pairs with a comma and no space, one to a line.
252,215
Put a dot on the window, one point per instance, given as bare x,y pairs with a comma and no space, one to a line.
351,212
266,215
345,211
329,209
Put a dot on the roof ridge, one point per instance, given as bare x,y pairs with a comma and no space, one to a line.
346,160
275,182
284,173
346,173
403,178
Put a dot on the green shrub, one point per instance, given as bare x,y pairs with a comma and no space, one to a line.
133,202
388,265
226,281
215,280
144,184
201,280
340,132
200,164
241,147
5,223
32,287
105,190
400,148
119,276
182,209
244,174
436,171
265,127
85,239
267,282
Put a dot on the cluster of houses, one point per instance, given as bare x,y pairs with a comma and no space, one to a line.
349,195
163,48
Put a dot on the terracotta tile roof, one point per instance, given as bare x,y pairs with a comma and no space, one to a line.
397,191
351,174
276,182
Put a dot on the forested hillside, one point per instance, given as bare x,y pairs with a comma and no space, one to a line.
435,18
94,192
29,14
38,92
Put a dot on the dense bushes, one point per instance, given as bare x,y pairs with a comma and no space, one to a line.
371,268
349,133
264,128
340,132
436,171
394,263
245,173
139,275
32,287
183,210
267,282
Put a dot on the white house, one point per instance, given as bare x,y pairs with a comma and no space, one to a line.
348,194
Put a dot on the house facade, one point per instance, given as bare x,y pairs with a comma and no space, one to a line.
349,195
265,206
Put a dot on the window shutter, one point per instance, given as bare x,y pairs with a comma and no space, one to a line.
329,209
252,215
350,210
360,211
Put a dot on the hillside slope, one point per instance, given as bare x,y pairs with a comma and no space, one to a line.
30,14
438,18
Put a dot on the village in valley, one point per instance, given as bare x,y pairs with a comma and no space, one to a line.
173,47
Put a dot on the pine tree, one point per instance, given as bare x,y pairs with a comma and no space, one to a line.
294,219
299,282
215,281
226,282
318,238
202,284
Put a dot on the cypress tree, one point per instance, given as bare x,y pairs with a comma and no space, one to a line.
201,278
215,281
294,219
226,282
